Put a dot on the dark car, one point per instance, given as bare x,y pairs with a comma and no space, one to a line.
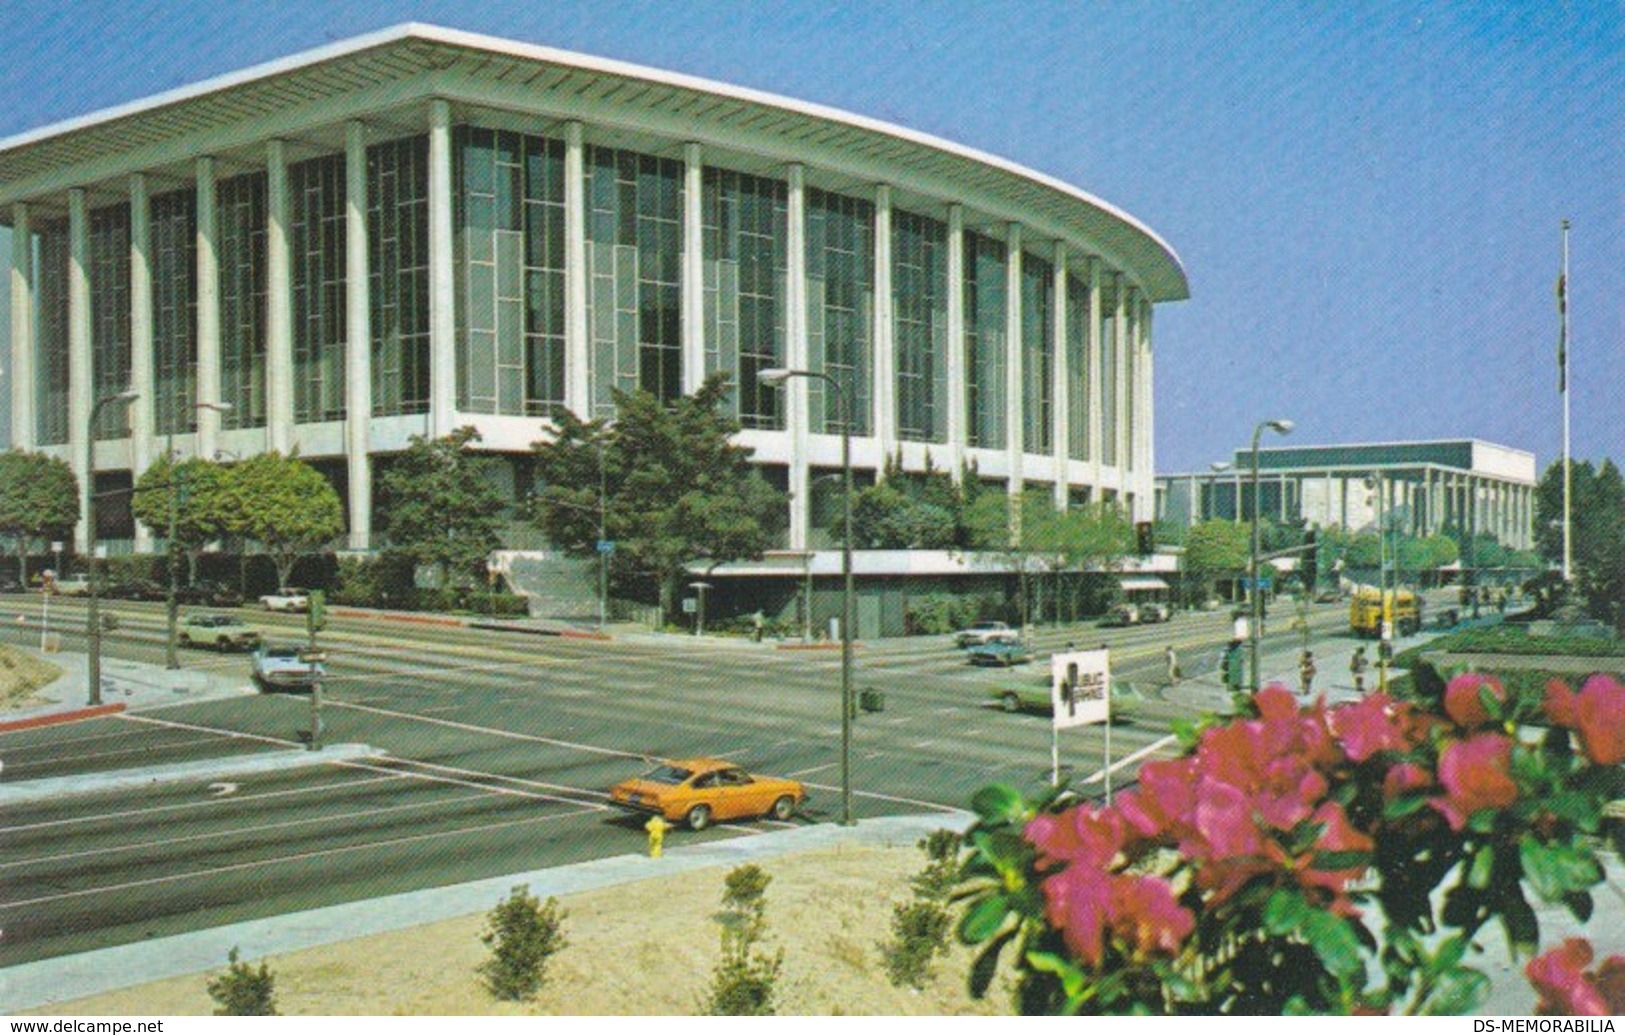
209,594
1003,653
10,585
136,589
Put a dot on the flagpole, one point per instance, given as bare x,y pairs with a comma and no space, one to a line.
1563,384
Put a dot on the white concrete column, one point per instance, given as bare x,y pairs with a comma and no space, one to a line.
143,411
1148,423
22,329
358,339
442,276
957,411
1131,381
278,302
795,325
577,357
1060,426
81,376
1015,412
208,310
885,342
1095,385
1119,387
694,268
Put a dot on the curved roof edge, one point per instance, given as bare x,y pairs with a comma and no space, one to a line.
478,41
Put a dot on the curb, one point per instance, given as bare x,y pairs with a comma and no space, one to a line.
396,616
58,718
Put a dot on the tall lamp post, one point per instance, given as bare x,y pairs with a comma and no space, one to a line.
1280,426
778,376
172,659
93,616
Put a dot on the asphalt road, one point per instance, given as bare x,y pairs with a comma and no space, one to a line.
496,750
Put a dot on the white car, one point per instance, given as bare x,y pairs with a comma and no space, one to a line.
983,633
72,586
286,600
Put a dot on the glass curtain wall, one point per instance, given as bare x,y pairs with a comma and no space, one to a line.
1038,355
174,311
745,259
1077,368
110,314
920,325
240,220
51,335
398,274
510,271
634,259
984,342
317,235
840,306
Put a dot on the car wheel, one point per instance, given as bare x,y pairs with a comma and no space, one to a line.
1010,703
699,817
784,808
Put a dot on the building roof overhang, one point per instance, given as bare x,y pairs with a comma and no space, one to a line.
385,75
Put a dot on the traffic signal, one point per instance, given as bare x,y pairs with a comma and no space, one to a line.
1144,541
1310,565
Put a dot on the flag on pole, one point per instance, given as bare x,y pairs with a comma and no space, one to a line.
1562,333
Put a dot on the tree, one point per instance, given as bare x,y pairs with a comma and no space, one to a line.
39,499
667,482
912,510
284,504
1597,533
202,499
1214,548
443,508
1038,538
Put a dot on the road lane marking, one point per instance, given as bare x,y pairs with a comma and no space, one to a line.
379,767
139,750
798,774
296,857
489,730
231,734
888,797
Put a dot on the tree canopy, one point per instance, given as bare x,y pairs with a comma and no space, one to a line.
1215,548
442,507
39,499
284,504
674,488
203,506
1597,533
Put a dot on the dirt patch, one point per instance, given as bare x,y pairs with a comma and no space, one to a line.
21,674
642,948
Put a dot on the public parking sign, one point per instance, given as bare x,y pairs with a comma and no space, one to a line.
1080,688
606,546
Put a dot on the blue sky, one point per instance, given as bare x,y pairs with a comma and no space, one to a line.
1366,196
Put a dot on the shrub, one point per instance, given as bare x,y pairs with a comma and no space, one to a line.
1311,859
743,982
920,929
939,613
523,934
243,991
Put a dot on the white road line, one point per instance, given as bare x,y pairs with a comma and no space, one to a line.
139,750
232,734
491,731
489,776
798,774
888,797
297,857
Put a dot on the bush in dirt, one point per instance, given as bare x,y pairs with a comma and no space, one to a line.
941,613
920,929
243,991
523,934
1311,859
742,984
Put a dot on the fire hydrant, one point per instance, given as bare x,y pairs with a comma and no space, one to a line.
657,827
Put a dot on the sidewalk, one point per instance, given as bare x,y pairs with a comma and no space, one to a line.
126,685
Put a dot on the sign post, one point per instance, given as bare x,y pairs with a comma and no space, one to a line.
1080,695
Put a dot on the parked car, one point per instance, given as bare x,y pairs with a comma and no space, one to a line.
222,632
1154,612
71,586
1038,697
285,599
10,585
137,589
701,791
1000,652
1121,615
985,632
278,667
209,594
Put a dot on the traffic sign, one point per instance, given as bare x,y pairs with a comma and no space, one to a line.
606,546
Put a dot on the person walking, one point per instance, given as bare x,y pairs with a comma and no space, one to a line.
1306,671
1172,659
1357,666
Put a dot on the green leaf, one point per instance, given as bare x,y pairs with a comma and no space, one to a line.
1483,866
998,803
1285,911
1072,979
1335,942
1458,991
1580,905
1522,928
1557,869
1340,860
987,964
983,919
1403,806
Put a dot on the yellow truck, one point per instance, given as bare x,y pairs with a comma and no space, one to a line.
1366,612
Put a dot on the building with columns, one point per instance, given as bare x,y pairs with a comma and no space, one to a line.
420,229
1462,485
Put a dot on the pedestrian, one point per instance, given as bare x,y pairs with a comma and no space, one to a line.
1357,667
1306,671
1174,675
1230,665
756,623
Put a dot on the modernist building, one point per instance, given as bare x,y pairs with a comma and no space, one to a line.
1462,485
421,229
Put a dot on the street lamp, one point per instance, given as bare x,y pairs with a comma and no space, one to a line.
1379,486
774,376
172,658
93,617
1280,426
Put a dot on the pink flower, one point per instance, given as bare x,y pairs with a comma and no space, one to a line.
1564,986
1084,836
1404,778
1146,915
1600,718
1461,700
1476,774
1166,798
1562,708
1076,901
1372,724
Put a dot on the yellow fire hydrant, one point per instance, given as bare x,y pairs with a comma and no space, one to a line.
657,827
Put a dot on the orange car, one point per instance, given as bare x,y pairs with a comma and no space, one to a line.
700,791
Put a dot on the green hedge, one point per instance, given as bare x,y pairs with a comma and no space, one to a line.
1504,640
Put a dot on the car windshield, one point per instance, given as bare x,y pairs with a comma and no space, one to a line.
282,652
668,774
